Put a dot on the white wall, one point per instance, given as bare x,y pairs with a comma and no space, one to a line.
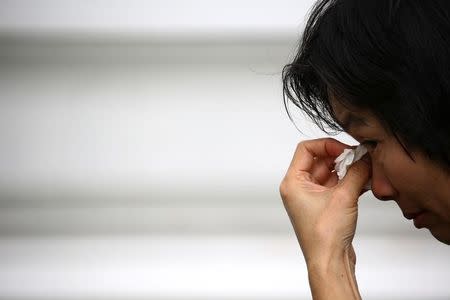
142,147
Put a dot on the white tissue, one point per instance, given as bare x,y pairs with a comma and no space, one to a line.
346,159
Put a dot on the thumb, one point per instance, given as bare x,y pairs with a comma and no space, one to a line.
357,176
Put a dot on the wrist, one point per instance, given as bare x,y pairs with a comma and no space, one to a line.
325,258
333,277
327,269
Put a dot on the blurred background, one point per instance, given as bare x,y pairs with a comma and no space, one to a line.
142,144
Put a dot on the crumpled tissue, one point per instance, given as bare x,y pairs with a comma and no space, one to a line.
347,158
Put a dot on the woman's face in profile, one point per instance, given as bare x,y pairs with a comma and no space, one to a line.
420,187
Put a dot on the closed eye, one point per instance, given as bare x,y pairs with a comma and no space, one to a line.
370,144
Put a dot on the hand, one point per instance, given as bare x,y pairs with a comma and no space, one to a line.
323,210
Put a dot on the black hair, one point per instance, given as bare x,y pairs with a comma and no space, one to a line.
390,57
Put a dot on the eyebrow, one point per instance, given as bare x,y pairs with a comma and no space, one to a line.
350,120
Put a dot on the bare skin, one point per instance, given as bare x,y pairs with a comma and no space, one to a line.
323,213
405,179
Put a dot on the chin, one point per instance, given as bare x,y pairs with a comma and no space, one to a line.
441,234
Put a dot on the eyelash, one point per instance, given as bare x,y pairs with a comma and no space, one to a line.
371,144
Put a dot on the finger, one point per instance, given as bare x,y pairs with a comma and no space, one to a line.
306,151
322,169
331,181
354,181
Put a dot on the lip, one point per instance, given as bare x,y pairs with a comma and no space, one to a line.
413,215
420,221
422,218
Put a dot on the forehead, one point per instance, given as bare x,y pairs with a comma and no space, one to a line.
350,117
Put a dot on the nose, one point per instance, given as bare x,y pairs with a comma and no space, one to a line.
381,186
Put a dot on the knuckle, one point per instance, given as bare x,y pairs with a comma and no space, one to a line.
303,144
284,189
300,145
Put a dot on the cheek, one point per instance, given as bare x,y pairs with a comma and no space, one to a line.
395,166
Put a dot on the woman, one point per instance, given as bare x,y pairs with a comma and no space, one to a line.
379,70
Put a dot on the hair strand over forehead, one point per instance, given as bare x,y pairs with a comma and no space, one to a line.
390,57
